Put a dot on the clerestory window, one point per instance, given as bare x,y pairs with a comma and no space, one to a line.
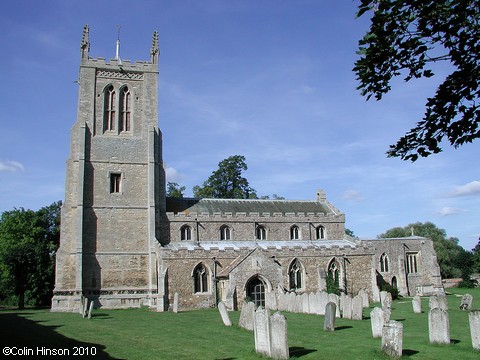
225,233
185,233
294,233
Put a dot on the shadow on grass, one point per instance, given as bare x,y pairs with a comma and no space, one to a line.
299,351
342,327
20,334
454,341
409,352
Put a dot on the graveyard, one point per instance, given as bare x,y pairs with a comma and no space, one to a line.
201,334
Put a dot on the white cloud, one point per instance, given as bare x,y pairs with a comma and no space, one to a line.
173,175
446,210
471,188
11,166
352,195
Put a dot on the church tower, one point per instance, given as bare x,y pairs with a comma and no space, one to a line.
115,186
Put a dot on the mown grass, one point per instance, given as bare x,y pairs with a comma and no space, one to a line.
143,334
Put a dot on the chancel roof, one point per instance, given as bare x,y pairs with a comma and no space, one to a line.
211,206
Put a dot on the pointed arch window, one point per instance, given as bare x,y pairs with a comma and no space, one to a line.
333,277
261,233
294,233
384,263
200,279
320,232
109,110
295,275
225,233
185,233
125,109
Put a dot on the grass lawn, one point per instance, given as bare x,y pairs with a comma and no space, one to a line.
200,334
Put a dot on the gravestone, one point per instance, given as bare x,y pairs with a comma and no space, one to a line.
387,307
466,302
322,280
85,307
336,299
175,302
438,326
347,307
305,303
365,301
329,322
246,316
377,321
81,309
442,301
271,302
90,308
382,296
261,331
474,320
224,314
279,337
438,302
417,304
392,338
357,308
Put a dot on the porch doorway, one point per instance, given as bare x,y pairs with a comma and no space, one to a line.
255,290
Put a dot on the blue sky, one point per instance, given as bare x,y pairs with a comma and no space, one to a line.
270,80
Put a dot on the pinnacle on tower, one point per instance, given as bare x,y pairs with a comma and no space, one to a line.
85,43
154,51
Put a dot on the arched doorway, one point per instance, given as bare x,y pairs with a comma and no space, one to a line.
394,282
255,290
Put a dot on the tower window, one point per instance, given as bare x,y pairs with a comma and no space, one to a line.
320,232
185,232
115,183
225,233
109,109
294,233
125,104
261,233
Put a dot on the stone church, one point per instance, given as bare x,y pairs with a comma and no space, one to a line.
125,244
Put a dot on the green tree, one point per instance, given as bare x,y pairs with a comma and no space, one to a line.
447,249
405,38
175,190
476,257
28,241
227,181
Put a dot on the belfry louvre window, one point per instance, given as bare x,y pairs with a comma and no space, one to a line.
125,104
412,263
225,233
115,183
200,279
109,109
185,233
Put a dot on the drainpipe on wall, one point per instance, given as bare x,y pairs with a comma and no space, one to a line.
215,280
197,235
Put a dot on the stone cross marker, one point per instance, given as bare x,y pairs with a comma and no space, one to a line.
261,332
279,337
466,302
246,316
175,302
417,304
224,314
329,322
90,308
438,326
392,338
377,320
474,320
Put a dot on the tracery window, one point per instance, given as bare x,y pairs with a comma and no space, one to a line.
295,275
412,263
109,104
225,233
125,104
320,232
294,233
384,263
261,233
200,279
185,232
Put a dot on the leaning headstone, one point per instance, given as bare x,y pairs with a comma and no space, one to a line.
81,310
85,307
90,308
474,320
377,320
438,326
357,308
392,338
175,302
417,304
279,337
347,307
261,330
329,322
224,314
466,302
246,316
